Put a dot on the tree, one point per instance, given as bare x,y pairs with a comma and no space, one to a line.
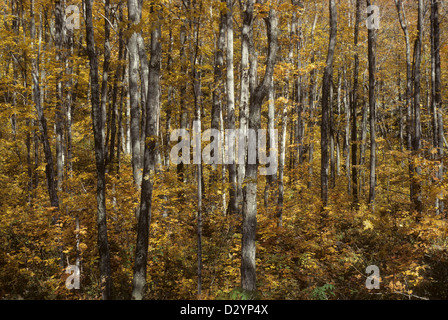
134,15
436,96
151,144
372,109
354,133
416,195
49,167
218,90
325,102
248,273
97,122
68,189
59,38
233,206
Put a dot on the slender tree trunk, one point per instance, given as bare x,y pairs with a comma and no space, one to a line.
281,165
70,87
118,80
416,187
104,81
298,92
49,167
403,24
134,18
183,91
103,245
248,273
196,60
59,38
331,130
354,134
338,123
372,108
246,34
363,145
346,100
436,101
219,85
232,207
325,103
270,179
311,101
151,144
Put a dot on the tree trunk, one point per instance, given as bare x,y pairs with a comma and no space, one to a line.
362,147
248,273
436,101
59,37
416,187
183,92
134,18
354,134
49,167
346,100
118,81
270,179
104,81
103,245
196,61
232,207
331,130
281,164
326,83
372,108
151,144
246,34
219,86
403,24
311,101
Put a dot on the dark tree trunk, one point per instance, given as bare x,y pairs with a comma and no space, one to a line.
354,133
372,108
415,185
103,245
59,37
436,93
325,103
49,167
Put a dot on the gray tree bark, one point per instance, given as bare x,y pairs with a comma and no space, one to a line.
97,120
232,206
151,145
246,34
248,270
134,18
104,81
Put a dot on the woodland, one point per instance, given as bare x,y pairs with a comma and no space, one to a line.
91,92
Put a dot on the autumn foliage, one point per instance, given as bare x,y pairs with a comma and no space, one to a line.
315,252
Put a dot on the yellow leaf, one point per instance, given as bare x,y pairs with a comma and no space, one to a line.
367,224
